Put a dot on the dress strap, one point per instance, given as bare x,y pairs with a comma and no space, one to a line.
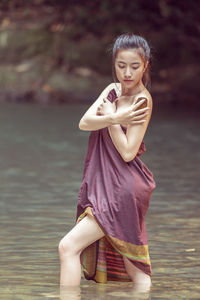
112,95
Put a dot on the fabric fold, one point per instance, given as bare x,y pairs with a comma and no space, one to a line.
117,194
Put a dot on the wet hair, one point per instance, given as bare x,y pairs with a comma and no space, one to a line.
132,41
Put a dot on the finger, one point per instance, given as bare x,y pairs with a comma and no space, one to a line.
138,101
141,116
116,100
136,105
141,98
140,111
135,116
138,122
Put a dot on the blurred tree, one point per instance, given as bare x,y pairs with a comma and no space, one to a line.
75,37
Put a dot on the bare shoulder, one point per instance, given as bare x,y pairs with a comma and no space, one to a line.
111,86
107,89
147,95
93,108
149,98
117,87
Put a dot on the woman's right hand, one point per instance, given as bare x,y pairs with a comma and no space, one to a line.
132,115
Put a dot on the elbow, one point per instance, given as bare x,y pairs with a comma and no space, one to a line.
81,125
128,157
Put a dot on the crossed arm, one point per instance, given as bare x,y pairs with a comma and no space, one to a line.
126,144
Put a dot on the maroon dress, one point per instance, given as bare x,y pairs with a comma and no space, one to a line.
117,194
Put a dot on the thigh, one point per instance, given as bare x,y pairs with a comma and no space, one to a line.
84,233
135,273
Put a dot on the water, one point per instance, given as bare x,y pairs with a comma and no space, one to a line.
41,164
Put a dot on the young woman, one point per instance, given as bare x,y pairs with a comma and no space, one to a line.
109,239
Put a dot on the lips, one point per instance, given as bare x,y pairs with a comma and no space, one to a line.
128,81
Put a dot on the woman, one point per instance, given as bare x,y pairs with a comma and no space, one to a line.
109,238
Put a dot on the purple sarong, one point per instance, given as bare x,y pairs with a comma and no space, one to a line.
117,194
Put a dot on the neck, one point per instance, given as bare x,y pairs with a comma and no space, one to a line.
132,91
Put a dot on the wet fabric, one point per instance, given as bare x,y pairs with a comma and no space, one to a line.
117,194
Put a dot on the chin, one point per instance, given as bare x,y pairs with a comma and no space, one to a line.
129,85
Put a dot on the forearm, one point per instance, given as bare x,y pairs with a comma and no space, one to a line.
93,122
120,141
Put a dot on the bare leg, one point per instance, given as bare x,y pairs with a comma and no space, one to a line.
70,247
70,292
141,279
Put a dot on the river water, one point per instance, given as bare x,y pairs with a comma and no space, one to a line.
41,164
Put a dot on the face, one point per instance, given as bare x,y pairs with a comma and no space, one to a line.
129,68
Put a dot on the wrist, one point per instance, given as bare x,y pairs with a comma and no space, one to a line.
113,118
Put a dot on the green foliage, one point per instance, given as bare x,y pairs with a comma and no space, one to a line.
68,34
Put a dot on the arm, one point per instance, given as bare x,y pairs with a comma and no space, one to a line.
91,121
129,143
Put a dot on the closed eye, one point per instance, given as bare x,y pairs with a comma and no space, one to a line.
122,67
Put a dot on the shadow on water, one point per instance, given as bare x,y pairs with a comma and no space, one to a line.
41,164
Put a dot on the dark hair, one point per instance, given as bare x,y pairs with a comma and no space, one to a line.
132,41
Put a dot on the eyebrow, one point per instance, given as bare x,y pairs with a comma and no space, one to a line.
134,63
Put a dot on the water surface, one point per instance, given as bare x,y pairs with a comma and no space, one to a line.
41,164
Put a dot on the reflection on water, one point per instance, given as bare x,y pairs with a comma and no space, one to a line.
41,163
103,291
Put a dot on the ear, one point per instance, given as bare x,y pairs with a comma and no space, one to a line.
145,66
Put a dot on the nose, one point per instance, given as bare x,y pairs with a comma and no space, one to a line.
127,73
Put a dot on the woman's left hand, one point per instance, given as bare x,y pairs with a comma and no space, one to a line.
106,107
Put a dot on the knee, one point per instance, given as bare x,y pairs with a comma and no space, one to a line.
66,248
